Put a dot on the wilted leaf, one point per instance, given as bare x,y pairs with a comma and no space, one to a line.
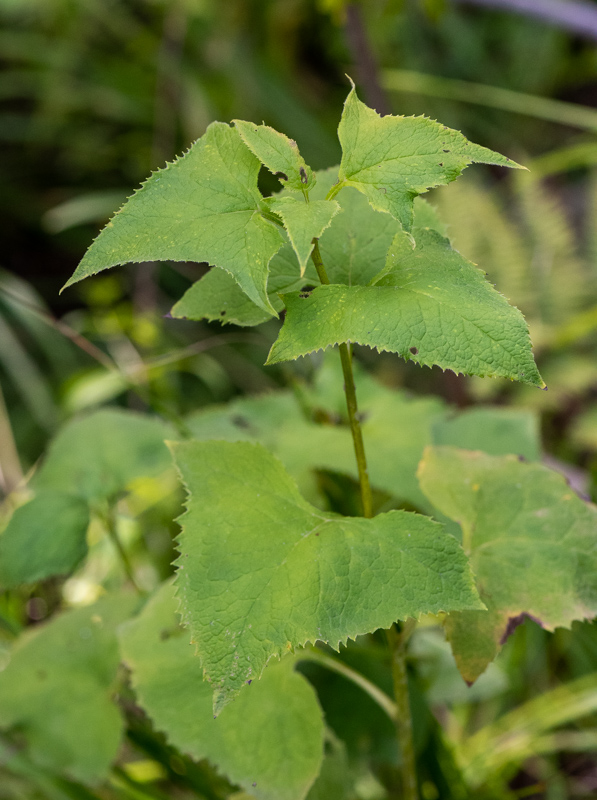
532,544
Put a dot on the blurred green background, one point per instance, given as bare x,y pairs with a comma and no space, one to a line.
94,94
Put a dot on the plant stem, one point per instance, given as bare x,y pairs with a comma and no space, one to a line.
375,693
110,523
397,640
351,401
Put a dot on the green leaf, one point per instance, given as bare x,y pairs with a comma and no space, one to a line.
217,296
203,207
44,537
279,154
532,544
432,306
97,456
280,763
354,249
303,222
262,571
57,689
393,159
494,430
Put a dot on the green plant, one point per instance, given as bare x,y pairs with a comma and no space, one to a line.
275,554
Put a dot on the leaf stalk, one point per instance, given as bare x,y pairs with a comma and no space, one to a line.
375,693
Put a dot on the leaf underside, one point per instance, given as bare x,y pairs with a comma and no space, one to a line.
278,764
268,572
533,547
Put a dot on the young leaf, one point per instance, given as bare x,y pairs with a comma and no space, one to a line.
432,306
354,249
58,685
268,571
217,296
98,455
279,154
532,544
393,159
269,741
303,222
44,537
203,207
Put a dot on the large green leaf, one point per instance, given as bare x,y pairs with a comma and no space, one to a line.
98,455
393,159
279,154
432,306
269,740
203,207
262,571
532,544
44,537
56,691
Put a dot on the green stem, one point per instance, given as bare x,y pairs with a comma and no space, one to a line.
397,640
110,523
351,401
386,703
334,190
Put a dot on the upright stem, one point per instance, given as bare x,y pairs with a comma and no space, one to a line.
397,640
351,402
110,522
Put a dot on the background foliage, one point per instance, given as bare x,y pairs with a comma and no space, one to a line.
95,94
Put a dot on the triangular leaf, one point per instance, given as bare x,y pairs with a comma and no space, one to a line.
58,685
279,154
393,159
44,537
203,207
262,571
303,222
532,544
282,707
432,306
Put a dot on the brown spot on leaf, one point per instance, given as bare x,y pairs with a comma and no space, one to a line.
414,350
304,178
281,176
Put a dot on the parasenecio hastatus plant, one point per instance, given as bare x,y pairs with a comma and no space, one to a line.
353,255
